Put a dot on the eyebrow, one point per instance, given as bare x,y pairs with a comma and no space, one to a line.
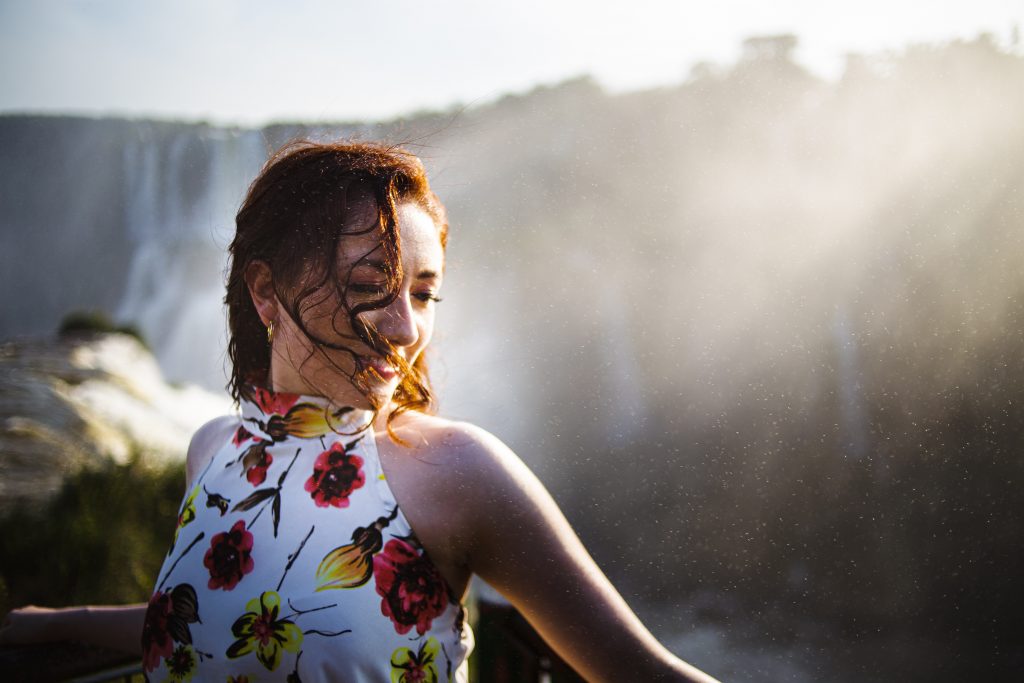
371,263
379,265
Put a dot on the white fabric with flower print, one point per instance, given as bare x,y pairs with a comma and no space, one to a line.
291,561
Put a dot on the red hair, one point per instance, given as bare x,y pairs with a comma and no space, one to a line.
292,219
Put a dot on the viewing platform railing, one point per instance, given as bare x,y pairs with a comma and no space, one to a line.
507,650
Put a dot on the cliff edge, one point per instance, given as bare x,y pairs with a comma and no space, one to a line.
83,400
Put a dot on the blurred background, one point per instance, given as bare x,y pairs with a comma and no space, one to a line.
743,284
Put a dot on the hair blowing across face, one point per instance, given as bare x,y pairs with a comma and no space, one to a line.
295,214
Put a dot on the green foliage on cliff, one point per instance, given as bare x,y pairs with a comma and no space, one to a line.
100,540
89,322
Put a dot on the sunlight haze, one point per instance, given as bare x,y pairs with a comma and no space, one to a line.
255,62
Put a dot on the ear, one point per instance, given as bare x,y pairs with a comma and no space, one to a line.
260,281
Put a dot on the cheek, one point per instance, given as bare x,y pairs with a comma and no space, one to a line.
330,322
290,335
426,332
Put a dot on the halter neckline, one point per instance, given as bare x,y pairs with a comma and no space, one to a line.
277,416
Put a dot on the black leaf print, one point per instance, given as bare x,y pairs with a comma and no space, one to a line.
275,511
255,498
185,602
216,500
179,631
185,552
293,677
262,496
291,559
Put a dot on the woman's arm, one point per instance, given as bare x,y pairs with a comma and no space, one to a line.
115,627
518,541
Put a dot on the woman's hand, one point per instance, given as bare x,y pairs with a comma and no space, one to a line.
31,624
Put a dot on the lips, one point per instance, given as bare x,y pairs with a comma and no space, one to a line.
379,366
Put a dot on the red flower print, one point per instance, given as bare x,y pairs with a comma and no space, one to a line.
256,460
228,558
167,618
257,474
156,641
336,474
413,591
274,404
241,436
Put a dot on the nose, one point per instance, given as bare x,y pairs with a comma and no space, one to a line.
397,322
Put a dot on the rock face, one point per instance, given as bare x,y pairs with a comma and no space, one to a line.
80,401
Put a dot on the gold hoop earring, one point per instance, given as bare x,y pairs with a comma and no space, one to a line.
270,332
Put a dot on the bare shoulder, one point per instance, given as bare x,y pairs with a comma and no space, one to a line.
453,480
460,449
473,474
205,443
438,437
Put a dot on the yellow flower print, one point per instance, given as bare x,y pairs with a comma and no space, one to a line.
308,421
181,664
350,566
261,629
418,667
188,512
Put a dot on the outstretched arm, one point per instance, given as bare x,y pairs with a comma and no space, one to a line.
116,627
521,544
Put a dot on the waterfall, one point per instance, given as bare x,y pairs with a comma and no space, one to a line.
853,420
181,195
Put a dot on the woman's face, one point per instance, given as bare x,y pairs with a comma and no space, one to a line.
407,323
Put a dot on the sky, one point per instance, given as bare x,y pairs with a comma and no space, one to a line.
251,62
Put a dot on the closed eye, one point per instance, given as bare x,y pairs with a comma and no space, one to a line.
368,288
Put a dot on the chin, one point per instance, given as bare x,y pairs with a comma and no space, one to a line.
382,398
375,394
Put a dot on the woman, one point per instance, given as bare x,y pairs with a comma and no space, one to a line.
330,532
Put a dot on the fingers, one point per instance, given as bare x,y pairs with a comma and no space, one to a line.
24,625
5,627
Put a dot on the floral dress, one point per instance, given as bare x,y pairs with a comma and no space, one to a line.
291,561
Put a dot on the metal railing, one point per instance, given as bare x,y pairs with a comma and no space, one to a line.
507,650
66,661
